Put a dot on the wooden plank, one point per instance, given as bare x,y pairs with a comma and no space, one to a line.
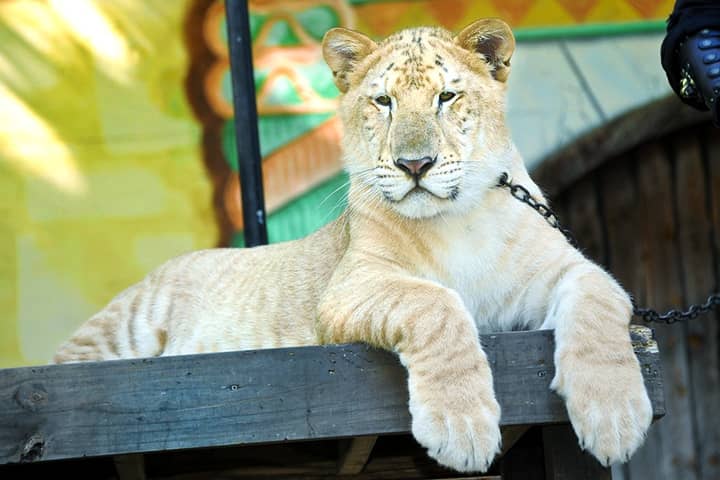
355,454
251,397
586,219
565,461
702,189
130,467
695,253
394,457
465,477
618,188
672,439
623,220
510,436
400,457
525,460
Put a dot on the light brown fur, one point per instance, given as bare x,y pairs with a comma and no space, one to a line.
416,266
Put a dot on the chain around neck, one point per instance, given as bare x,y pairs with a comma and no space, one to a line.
647,314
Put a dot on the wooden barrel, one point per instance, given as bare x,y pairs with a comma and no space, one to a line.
642,196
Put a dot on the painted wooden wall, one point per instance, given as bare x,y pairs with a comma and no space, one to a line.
651,216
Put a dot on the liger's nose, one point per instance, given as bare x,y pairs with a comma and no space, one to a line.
416,167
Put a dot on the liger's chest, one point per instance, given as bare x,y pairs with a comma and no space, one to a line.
478,264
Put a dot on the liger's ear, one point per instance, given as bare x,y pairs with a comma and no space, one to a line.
343,49
493,39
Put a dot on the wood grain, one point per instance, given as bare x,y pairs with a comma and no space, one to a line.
622,220
662,281
355,453
251,397
698,200
661,208
586,220
565,461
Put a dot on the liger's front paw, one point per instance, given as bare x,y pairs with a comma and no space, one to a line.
608,407
462,435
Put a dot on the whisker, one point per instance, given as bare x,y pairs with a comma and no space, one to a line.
363,190
345,184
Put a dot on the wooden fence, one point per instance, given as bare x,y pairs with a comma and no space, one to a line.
642,196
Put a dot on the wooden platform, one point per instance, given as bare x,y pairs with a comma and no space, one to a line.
305,412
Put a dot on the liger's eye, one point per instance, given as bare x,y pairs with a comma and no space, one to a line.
446,96
383,100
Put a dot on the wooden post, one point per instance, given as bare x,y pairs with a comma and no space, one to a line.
130,467
565,461
355,454
525,460
511,435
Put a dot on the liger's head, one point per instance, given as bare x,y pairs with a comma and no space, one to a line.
424,113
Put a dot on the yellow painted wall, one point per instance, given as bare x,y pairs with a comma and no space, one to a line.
100,175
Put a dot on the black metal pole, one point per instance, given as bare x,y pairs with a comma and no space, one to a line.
246,132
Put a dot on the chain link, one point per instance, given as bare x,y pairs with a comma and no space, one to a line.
647,314
674,315
522,194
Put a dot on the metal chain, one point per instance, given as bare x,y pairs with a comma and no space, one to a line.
648,315
522,194
674,315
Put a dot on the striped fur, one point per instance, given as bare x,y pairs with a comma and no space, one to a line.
418,272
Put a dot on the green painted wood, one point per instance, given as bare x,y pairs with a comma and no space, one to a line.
587,30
